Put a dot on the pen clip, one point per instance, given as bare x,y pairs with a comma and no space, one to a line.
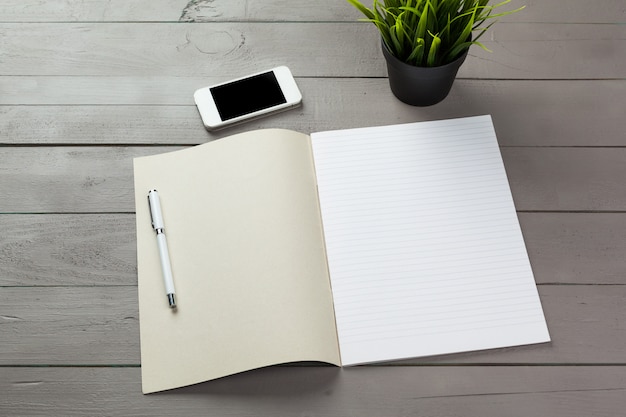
151,209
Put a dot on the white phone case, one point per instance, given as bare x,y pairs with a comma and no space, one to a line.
209,110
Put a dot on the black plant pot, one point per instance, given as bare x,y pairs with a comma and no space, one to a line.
421,86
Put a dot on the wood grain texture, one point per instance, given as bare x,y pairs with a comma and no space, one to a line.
99,326
81,325
520,50
578,11
100,249
99,179
69,179
361,391
134,111
96,249
576,248
566,179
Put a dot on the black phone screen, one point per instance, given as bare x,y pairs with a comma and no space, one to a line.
246,96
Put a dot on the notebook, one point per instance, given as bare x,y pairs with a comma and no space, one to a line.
347,247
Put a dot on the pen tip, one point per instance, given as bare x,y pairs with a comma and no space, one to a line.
171,300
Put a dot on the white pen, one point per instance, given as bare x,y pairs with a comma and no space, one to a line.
159,228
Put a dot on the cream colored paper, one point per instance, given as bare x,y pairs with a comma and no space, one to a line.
246,246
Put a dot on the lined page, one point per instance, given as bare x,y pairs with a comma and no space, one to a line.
424,247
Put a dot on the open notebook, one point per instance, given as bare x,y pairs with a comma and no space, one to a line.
347,247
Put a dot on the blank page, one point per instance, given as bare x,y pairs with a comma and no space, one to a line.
245,240
424,247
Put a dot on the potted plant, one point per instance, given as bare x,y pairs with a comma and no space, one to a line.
426,41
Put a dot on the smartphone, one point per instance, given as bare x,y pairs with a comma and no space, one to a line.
247,97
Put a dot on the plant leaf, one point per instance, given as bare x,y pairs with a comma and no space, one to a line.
396,46
421,26
465,33
434,48
400,29
417,54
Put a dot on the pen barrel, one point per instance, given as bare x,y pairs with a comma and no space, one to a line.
166,267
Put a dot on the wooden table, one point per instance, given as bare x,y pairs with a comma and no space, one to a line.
87,86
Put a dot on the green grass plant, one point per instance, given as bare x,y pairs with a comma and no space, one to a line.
429,33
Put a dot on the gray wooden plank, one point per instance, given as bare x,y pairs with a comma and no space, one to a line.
566,179
100,179
100,249
69,325
78,250
577,11
576,248
99,326
64,179
520,50
324,391
133,110
91,11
